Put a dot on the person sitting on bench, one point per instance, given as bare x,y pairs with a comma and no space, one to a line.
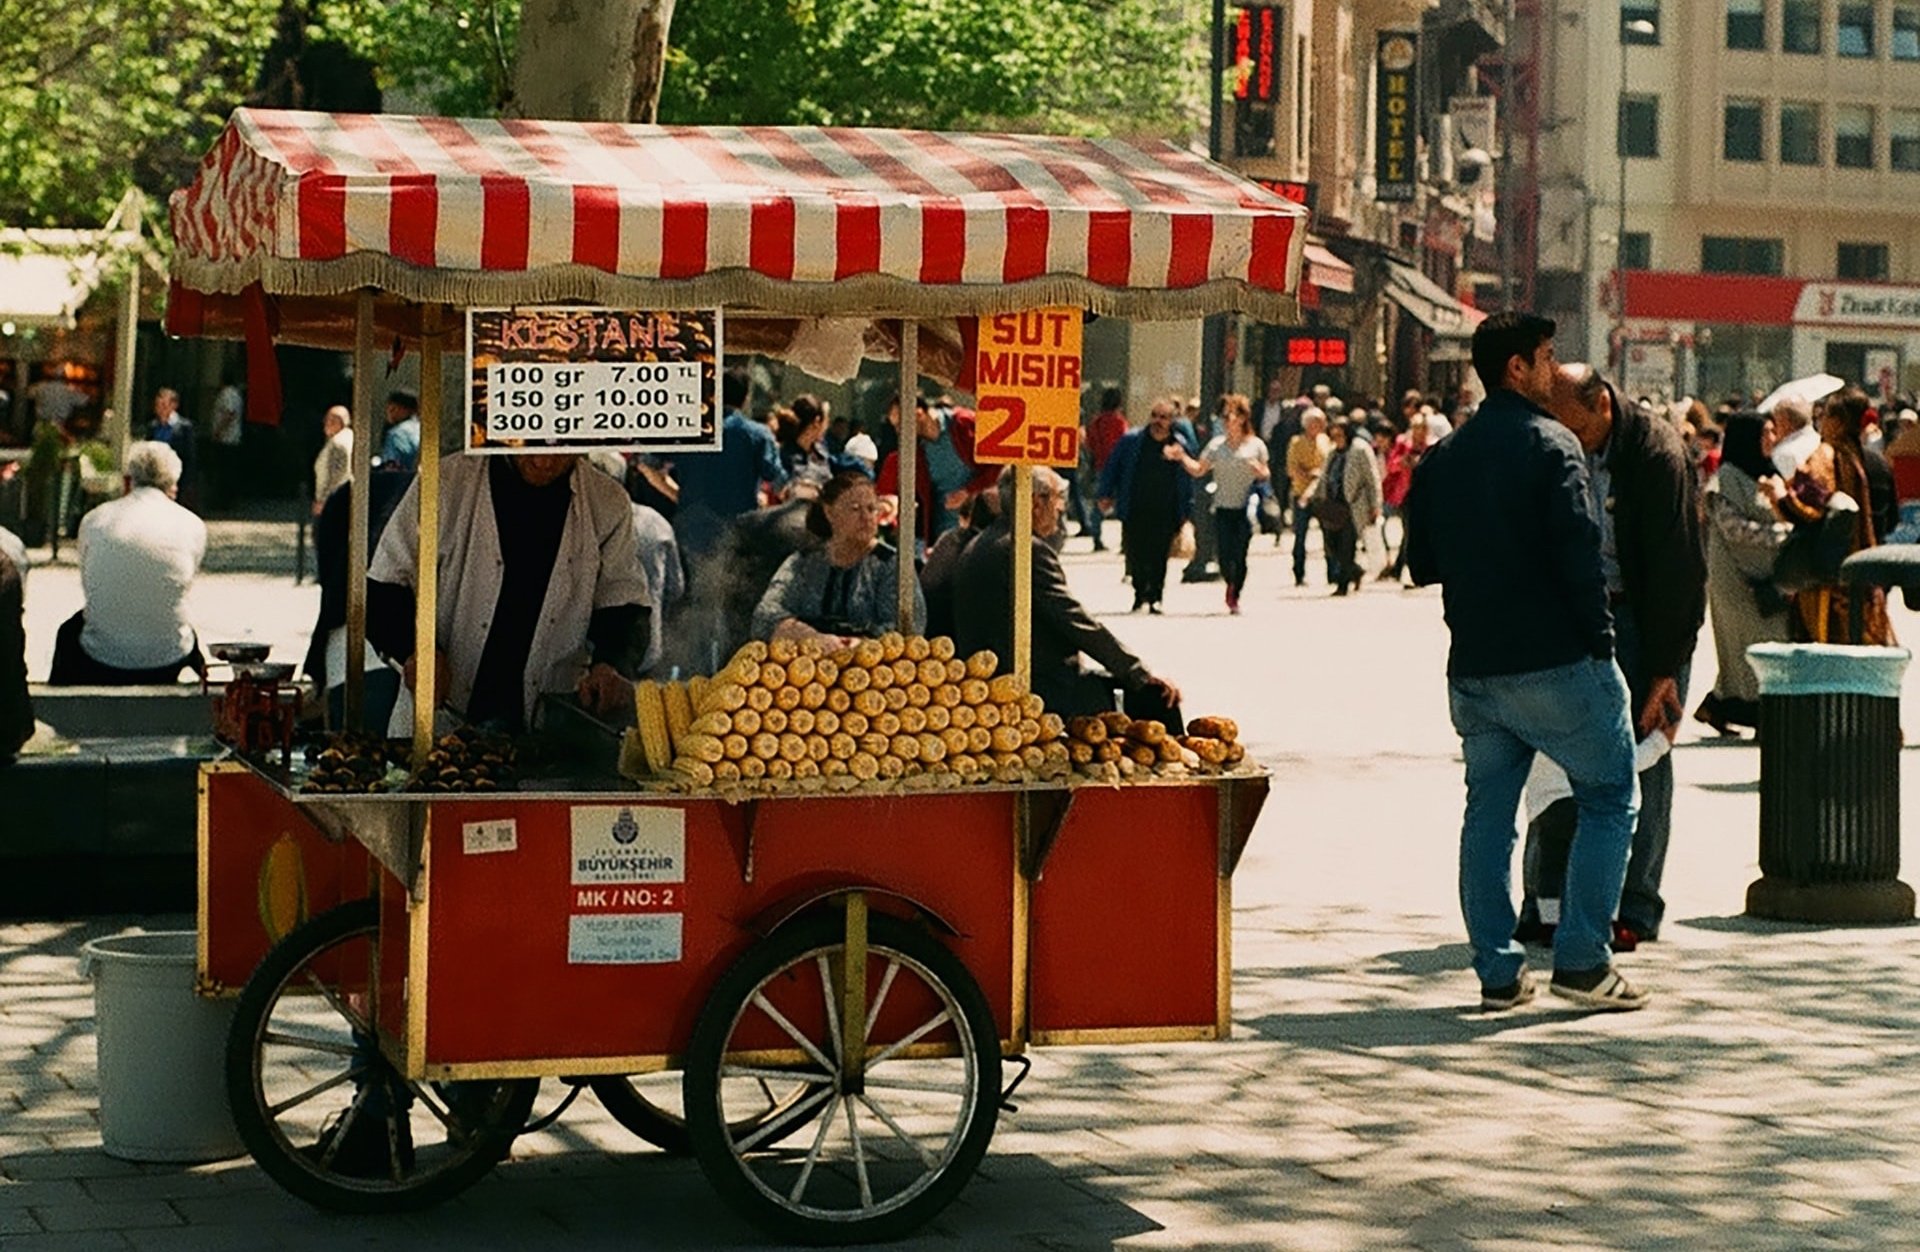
138,556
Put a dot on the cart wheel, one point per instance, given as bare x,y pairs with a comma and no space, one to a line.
897,1139
649,1106
319,1106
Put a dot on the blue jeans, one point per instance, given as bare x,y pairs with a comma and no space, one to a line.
1641,905
1577,715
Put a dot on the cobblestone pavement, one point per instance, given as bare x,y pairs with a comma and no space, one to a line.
1764,1101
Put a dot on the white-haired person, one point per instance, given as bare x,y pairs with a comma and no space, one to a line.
1065,635
138,556
333,467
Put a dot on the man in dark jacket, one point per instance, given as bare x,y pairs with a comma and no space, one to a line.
1499,516
1062,629
1646,500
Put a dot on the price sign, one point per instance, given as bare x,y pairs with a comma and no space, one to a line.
1027,373
567,379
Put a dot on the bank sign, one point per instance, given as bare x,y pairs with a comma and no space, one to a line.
1396,114
1844,304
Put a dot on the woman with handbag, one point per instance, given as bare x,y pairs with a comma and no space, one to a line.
1744,537
1825,611
1334,512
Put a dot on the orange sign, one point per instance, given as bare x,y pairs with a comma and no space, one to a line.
1027,374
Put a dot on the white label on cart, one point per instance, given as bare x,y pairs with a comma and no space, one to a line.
618,844
498,836
623,938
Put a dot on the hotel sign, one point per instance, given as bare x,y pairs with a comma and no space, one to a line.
1396,108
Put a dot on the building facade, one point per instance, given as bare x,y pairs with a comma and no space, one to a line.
1363,110
1729,190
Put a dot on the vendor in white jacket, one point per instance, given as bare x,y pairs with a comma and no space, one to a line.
540,586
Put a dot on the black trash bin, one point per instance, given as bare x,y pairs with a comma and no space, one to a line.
1829,784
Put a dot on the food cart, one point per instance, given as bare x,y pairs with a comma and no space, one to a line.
840,978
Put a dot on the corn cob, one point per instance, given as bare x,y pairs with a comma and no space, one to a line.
650,717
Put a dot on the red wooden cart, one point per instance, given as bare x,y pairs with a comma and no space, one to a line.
837,979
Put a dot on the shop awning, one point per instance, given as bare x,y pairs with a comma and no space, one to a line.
46,275
1430,303
1327,271
808,221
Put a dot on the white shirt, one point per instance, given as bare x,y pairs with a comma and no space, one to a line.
333,468
229,412
1270,417
598,566
666,582
138,556
1791,453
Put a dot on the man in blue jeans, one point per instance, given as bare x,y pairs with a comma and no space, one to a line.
1499,517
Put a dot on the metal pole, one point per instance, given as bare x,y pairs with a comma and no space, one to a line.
1023,573
365,363
1619,348
426,576
1219,71
909,465
1507,141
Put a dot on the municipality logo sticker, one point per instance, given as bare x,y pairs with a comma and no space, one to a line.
625,845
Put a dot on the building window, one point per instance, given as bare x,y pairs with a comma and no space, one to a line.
1636,250
1252,129
1743,140
1903,135
1906,32
1721,254
1747,25
1855,35
1864,261
1853,136
1800,26
1799,134
1635,11
1639,129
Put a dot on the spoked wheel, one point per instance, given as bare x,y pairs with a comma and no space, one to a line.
896,1050
650,1106
323,1111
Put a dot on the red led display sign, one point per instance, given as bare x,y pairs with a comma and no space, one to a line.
1305,348
1256,55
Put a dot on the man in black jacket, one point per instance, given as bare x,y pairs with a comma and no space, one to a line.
1498,515
1062,629
1646,499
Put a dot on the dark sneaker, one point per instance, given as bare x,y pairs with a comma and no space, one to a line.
1603,989
1511,996
1534,933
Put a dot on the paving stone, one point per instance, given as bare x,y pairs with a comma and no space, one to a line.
106,1215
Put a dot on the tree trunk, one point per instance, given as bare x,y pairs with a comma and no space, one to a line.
591,60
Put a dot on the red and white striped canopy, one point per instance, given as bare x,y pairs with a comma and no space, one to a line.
801,220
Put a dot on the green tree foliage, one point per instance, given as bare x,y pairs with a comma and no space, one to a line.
1081,66
452,57
1076,66
98,94
101,94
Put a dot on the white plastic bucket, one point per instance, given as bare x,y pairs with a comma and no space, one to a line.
162,1051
